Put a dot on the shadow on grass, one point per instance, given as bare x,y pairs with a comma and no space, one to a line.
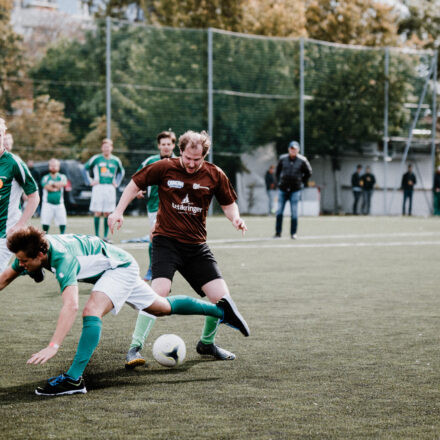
106,379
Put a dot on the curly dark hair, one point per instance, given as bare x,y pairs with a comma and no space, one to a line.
30,240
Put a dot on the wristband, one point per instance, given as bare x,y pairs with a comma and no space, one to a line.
52,344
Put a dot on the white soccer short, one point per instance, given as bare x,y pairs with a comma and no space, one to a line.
152,219
51,212
5,255
103,198
124,285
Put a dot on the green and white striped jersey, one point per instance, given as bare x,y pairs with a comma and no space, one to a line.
53,197
105,171
15,178
84,258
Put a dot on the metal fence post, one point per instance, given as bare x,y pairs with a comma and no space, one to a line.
434,112
210,97
108,72
385,130
210,105
301,94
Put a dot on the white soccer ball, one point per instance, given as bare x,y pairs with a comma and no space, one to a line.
169,350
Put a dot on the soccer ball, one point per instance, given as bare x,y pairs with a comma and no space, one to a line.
169,350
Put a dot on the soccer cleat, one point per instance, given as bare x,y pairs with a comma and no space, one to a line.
134,358
38,275
214,350
149,275
62,385
231,315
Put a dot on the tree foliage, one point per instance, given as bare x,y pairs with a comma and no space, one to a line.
40,124
274,18
365,22
11,59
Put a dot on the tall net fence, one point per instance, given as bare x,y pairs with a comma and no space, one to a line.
161,78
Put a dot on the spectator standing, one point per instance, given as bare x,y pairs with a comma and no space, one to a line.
107,175
52,207
436,190
408,182
356,188
367,182
271,187
292,173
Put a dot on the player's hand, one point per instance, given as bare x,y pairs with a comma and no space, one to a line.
115,220
43,355
141,194
93,183
239,224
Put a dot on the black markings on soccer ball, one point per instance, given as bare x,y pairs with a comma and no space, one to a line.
173,353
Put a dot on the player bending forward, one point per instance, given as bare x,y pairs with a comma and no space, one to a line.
115,275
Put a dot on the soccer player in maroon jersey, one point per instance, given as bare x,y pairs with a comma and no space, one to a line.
187,185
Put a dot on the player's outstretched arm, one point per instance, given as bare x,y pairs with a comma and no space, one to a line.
7,276
116,219
233,214
65,321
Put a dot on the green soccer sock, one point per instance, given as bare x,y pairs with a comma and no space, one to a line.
105,227
62,229
96,220
88,341
144,324
210,330
46,228
186,305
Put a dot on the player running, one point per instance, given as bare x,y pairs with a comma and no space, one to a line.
108,173
15,179
52,207
166,141
115,275
186,187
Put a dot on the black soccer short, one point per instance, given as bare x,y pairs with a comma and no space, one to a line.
195,262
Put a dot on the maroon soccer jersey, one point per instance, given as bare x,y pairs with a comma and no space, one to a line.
184,198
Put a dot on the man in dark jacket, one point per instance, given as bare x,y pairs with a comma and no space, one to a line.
408,182
367,182
356,187
293,172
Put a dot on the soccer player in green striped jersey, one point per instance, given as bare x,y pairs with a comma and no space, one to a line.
107,174
53,185
166,141
115,276
15,179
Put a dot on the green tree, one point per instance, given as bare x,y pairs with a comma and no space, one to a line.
73,72
41,124
365,22
11,56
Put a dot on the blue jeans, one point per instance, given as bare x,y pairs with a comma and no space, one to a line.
407,194
366,201
283,198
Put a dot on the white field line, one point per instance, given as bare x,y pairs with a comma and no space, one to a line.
255,243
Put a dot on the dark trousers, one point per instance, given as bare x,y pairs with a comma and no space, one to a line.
366,201
407,195
357,197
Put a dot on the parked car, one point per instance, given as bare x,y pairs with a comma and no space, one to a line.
77,193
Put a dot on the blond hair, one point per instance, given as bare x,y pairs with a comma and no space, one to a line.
192,139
